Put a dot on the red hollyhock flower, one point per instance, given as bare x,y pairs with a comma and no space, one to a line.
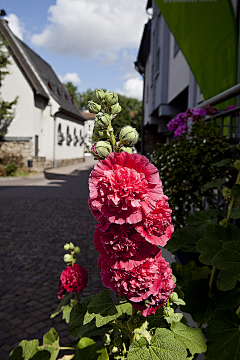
61,291
124,188
74,278
137,282
156,227
122,242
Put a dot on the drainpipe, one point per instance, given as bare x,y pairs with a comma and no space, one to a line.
54,142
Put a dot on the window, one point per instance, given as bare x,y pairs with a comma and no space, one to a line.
69,138
75,137
60,135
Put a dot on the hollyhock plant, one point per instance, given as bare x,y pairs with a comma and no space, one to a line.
73,278
124,188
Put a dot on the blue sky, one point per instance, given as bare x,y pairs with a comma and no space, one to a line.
92,43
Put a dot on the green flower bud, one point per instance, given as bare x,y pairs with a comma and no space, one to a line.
226,192
67,258
173,297
94,138
77,249
100,94
115,109
114,349
136,322
66,247
127,149
111,98
128,135
237,164
100,134
224,223
168,311
102,121
93,107
107,339
71,246
103,148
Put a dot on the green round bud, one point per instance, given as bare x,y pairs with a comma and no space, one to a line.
67,258
93,107
173,297
103,148
71,246
111,98
226,192
114,349
100,94
128,135
107,339
224,223
94,138
102,121
77,249
66,247
100,134
127,149
115,109
168,311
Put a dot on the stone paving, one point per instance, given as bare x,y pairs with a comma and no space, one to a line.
35,223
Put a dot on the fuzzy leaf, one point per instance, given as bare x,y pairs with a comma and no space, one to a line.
50,337
189,272
201,219
184,239
201,305
62,303
77,316
191,338
66,313
91,352
102,304
235,213
85,342
163,346
217,183
223,335
224,162
29,348
211,244
228,261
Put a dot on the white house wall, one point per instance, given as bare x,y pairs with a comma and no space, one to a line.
178,72
64,151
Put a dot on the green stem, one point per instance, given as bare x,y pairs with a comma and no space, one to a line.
67,348
230,208
212,278
134,311
76,295
238,311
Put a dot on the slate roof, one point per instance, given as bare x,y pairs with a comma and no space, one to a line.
39,73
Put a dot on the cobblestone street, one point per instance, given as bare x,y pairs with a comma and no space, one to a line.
38,216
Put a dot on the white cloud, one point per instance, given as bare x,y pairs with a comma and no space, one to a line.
93,28
133,88
72,77
16,25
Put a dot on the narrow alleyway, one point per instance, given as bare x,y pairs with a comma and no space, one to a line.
38,215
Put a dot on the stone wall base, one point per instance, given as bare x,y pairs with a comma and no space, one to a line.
19,152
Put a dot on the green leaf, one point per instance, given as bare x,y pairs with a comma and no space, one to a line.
228,261
77,316
236,192
85,342
184,239
217,183
102,303
29,348
199,220
62,303
189,272
211,244
191,338
50,337
223,335
91,352
224,162
235,213
163,346
66,313
201,305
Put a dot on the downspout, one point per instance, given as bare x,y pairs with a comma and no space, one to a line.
54,142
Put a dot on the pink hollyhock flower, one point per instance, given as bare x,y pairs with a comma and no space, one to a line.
122,242
74,278
124,188
137,281
156,227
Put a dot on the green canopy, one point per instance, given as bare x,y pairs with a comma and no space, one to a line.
206,32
